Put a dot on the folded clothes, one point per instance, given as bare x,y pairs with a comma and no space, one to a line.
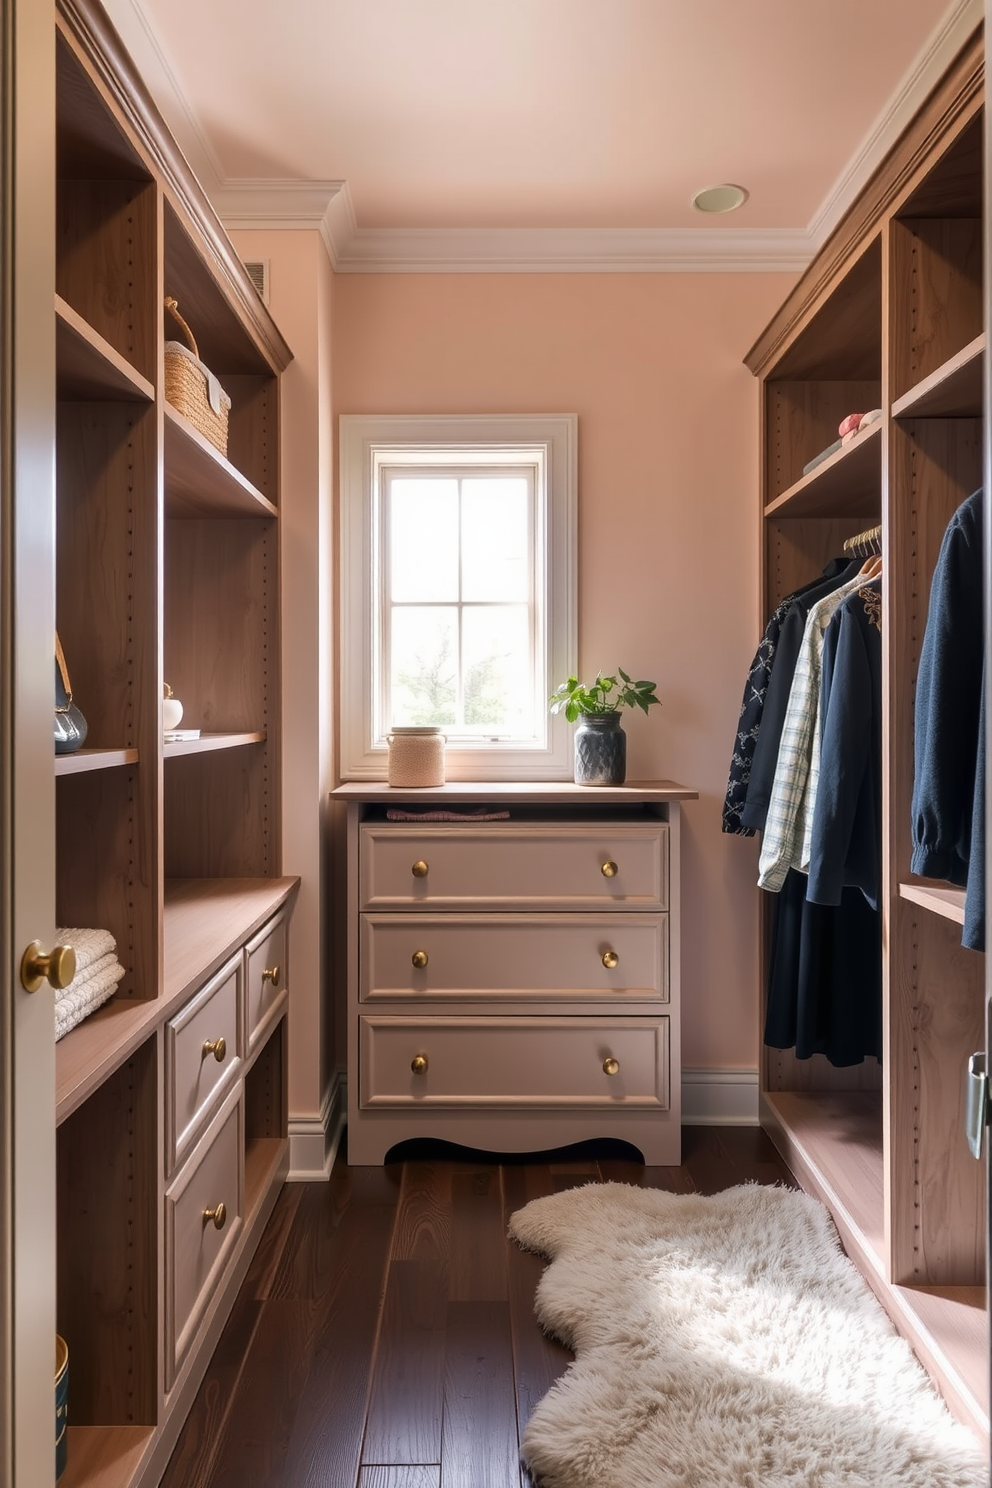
871,417
823,455
89,945
850,424
396,813
71,1007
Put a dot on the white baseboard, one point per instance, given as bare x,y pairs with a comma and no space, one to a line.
719,1097
314,1140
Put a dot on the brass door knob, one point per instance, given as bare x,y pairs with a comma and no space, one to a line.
419,959
419,1064
609,869
611,1066
217,1217
57,968
217,1047
271,974
420,869
610,959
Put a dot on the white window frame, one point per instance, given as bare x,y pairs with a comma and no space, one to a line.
366,442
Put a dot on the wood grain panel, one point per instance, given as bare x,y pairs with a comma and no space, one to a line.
105,262
219,815
798,549
802,419
478,1248
841,336
479,1444
253,430
207,305
265,1089
90,144
406,1402
107,1281
423,1222
937,295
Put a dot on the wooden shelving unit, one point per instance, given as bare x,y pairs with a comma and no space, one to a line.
167,564
891,315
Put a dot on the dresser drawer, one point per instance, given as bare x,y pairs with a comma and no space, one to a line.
499,865
543,956
266,978
202,1057
196,1248
513,1062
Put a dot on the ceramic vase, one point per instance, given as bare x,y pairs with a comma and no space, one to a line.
600,750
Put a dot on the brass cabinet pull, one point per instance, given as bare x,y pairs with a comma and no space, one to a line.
57,968
611,1066
609,869
419,959
610,959
217,1047
271,974
217,1216
419,1064
420,869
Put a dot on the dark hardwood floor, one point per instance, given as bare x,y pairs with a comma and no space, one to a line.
385,1337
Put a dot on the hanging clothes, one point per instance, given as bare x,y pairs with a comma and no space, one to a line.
948,807
761,710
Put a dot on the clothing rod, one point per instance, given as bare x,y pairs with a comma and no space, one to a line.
862,539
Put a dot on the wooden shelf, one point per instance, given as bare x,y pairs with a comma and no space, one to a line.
263,1155
200,482
832,1141
87,366
108,1455
847,484
204,920
207,743
940,900
954,390
507,793
85,760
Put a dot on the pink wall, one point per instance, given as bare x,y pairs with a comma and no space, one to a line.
668,464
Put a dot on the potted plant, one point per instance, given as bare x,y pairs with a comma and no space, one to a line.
600,742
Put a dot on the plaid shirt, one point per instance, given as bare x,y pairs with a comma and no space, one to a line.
790,811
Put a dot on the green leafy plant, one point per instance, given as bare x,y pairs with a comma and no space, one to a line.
606,695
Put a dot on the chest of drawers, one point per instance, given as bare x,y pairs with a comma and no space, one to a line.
513,985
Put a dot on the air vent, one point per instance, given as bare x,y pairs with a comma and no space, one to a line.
258,273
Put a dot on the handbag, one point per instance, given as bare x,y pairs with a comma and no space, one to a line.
70,725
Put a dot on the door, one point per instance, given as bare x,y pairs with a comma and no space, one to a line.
27,787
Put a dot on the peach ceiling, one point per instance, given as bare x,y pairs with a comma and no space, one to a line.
548,116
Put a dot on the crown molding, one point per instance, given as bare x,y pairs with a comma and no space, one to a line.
930,66
326,206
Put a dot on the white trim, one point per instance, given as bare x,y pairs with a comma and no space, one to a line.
326,205
314,1140
360,438
719,1097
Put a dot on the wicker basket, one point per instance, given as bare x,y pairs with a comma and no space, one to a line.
192,388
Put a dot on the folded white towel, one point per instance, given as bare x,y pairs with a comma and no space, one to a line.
73,1006
89,945
95,969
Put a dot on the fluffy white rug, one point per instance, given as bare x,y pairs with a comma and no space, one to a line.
724,1342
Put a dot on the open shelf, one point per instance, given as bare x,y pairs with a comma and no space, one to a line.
207,743
88,367
848,483
263,1156
90,1052
108,1455
85,760
939,899
200,482
954,390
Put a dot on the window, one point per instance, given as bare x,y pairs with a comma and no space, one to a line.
458,590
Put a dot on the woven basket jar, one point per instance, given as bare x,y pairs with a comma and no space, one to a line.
192,388
416,757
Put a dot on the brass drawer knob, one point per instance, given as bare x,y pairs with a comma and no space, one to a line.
271,974
419,1064
420,869
611,1066
419,959
217,1047
609,869
610,959
217,1217
57,968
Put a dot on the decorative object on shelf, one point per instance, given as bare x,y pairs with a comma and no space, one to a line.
172,710
416,757
70,725
61,1405
97,973
600,742
192,388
